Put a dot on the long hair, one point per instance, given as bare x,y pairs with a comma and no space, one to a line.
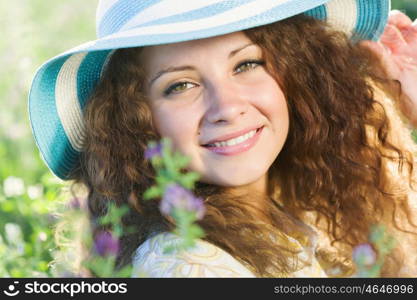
333,171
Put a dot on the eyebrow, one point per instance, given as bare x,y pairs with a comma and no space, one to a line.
234,52
169,70
190,68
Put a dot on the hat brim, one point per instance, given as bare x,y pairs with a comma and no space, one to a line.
63,84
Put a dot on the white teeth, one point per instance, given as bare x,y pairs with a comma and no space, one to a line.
235,141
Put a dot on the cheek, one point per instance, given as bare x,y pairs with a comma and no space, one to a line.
272,101
176,124
279,105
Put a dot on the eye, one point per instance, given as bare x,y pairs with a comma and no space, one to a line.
178,87
248,65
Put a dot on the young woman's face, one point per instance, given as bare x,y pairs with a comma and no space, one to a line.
215,100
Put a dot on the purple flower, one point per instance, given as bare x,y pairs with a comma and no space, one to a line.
364,254
106,244
153,150
176,196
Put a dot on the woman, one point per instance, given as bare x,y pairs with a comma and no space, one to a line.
283,115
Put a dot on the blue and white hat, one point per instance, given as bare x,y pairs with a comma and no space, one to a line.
63,84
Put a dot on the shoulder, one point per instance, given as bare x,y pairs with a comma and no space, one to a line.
203,260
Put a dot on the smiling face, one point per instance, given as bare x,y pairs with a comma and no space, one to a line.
215,100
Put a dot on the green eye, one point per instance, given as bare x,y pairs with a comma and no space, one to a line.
178,87
248,65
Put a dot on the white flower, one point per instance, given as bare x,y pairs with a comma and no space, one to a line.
14,236
13,186
13,232
35,191
42,236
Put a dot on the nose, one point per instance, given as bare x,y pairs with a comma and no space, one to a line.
226,102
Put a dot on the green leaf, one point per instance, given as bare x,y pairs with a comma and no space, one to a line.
169,163
377,234
414,135
183,217
163,179
188,180
157,162
196,231
125,272
101,266
152,192
114,214
180,160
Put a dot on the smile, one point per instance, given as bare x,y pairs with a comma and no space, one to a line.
236,145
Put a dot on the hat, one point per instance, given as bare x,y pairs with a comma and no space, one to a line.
63,84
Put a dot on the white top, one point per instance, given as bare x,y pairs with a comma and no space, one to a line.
203,260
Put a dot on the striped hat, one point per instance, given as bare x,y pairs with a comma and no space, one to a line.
63,84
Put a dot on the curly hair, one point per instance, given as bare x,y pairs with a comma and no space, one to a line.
333,171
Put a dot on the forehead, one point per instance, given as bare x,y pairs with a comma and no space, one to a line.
163,54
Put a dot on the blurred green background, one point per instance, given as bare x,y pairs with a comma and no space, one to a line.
33,31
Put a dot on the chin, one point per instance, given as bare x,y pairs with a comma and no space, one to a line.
233,180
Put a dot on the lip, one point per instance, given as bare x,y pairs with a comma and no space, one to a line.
231,135
239,148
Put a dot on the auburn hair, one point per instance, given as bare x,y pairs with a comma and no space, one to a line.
335,172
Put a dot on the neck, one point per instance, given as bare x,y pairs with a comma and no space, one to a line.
256,193
258,187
